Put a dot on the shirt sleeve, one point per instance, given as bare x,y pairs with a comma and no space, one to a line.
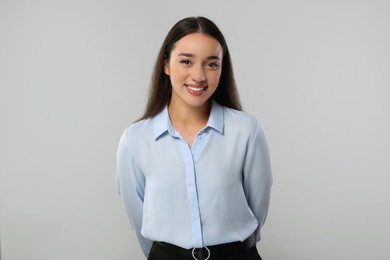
130,183
258,177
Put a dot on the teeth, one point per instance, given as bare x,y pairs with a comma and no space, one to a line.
195,89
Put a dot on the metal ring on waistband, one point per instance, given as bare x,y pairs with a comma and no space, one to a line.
208,253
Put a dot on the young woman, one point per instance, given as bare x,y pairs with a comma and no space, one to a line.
194,172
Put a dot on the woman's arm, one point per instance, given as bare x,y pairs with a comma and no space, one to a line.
258,177
131,186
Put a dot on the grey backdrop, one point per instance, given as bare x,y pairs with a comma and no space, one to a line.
74,74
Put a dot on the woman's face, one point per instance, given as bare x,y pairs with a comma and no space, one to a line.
194,68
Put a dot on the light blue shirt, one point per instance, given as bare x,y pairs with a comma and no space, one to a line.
215,192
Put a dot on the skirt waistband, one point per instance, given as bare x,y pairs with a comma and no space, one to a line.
211,252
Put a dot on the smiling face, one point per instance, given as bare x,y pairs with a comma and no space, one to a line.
194,67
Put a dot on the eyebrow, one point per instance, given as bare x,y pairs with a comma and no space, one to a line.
190,55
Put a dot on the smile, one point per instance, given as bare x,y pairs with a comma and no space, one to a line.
197,89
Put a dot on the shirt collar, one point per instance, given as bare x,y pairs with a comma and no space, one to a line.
216,119
163,124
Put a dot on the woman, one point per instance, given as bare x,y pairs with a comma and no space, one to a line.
194,172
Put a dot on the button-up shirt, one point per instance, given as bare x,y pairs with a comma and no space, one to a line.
216,191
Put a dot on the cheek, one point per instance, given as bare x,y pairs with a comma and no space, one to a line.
178,77
177,71
214,77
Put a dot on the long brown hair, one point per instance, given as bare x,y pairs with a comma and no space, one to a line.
161,89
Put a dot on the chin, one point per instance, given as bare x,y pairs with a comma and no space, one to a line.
199,103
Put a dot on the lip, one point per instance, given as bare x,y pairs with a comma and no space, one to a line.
196,85
196,89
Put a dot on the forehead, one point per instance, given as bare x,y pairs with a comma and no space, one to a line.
198,44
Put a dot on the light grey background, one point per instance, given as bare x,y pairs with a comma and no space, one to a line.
74,74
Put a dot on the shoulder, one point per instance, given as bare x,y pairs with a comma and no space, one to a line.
246,127
241,120
138,131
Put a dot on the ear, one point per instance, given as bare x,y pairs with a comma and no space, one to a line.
166,67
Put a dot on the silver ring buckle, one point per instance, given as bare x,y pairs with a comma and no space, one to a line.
208,253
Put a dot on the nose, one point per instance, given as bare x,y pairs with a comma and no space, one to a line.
198,74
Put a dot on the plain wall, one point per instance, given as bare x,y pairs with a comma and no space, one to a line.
74,74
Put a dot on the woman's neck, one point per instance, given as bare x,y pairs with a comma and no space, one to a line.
188,121
188,115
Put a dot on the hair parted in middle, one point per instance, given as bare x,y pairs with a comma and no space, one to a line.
160,91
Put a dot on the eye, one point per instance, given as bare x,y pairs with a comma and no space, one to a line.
186,62
213,65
